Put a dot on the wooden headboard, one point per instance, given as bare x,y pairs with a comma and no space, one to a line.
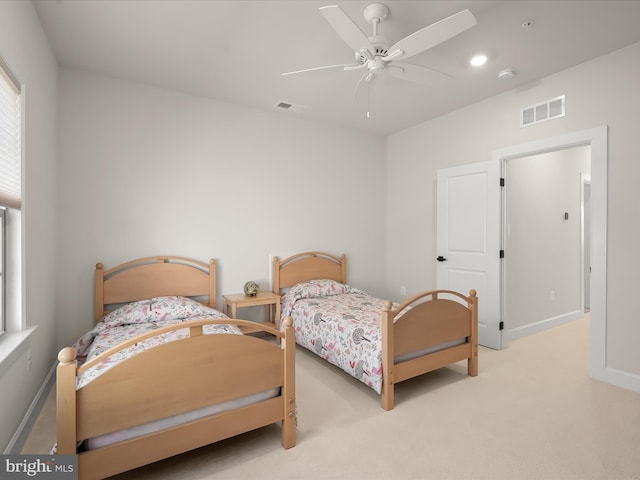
306,266
154,277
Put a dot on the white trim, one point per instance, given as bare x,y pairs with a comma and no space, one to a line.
629,381
545,324
12,345
597,138
585,179
19,437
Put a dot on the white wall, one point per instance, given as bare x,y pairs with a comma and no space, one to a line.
26,50
145,171
600,92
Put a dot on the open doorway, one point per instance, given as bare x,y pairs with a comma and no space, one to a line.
597,139
544,239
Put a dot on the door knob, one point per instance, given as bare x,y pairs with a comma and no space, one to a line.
441,259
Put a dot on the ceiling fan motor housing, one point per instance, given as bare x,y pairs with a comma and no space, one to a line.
381,49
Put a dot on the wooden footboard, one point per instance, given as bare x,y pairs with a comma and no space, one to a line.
423,323
173,378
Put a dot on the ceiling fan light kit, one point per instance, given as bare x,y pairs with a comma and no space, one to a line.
375,54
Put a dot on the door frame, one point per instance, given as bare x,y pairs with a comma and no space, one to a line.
585,247
597,138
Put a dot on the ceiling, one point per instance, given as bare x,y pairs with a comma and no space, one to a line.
235,51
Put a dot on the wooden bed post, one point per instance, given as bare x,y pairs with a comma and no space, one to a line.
212,283
343,263
275,277
472,363
387,357
289,390
66,402
99,297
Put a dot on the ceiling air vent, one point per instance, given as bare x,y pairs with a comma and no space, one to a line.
548,110
292,107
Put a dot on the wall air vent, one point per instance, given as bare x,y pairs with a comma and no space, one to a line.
292,107
548,110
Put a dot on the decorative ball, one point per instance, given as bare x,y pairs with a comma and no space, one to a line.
251,289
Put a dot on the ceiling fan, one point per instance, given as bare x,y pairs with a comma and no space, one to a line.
376,54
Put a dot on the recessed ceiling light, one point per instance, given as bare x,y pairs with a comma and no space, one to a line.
478,60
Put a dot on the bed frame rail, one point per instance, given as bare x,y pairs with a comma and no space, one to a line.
137,452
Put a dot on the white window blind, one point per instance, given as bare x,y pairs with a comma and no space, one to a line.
10,140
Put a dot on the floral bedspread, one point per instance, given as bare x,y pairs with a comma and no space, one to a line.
139,317
340,324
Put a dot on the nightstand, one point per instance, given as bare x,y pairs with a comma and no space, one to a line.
271,302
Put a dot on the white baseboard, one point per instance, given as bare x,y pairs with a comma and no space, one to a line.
545,324
618,378
20,436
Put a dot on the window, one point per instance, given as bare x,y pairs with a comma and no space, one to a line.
10,194
2,250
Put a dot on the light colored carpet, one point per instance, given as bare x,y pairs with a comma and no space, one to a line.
532,413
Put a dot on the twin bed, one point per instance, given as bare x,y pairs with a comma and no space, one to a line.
375,341
163,372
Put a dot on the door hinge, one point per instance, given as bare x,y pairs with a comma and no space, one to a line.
501,326
501,253
502,182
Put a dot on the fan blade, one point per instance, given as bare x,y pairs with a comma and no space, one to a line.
345,65
418,74
346,29
435,34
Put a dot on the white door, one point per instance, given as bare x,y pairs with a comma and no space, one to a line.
468,240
